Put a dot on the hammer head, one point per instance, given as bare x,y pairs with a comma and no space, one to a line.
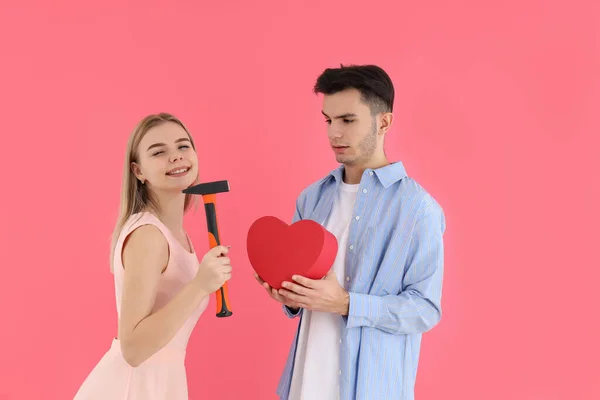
208,188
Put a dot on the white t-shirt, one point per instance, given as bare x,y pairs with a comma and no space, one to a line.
316,367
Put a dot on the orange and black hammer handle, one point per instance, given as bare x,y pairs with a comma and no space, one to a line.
223,309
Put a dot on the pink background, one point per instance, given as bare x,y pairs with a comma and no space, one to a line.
496,115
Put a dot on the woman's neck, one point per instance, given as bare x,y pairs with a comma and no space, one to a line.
170,211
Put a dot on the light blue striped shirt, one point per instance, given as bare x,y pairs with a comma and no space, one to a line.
394,272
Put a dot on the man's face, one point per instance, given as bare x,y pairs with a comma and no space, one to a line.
352,131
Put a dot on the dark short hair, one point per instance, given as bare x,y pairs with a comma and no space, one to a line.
373,83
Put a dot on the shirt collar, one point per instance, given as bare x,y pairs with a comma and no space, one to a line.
387,175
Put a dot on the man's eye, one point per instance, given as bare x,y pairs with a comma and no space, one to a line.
328,121
347,121
185,146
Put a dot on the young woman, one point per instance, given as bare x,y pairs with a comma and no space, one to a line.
161,288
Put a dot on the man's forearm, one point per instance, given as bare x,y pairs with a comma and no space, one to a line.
417,308
406,313
344,308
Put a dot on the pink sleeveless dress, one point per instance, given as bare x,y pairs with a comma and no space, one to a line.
162,376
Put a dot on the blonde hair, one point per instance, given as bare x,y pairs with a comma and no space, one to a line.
134,195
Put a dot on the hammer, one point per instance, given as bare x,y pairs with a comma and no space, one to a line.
209,191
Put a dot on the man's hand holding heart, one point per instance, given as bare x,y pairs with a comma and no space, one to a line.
325,295
274,293
305,250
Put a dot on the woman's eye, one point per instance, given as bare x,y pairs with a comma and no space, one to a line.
185,146
157,153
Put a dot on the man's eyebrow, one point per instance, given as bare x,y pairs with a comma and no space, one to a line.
346,115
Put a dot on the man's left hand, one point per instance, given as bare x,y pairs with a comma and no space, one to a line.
324,295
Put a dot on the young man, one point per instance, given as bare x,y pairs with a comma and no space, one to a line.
360,327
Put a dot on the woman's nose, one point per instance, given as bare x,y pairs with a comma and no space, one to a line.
176,157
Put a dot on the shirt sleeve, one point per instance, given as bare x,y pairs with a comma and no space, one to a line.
290,313
417,308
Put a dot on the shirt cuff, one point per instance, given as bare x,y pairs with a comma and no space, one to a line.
363,310
290,313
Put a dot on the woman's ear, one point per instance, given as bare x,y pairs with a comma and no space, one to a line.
138,172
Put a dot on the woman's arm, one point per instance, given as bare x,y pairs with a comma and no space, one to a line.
142,333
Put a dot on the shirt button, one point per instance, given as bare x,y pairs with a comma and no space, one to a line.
347,279
351,247
340,340
340,372
364,190
371,173
357,217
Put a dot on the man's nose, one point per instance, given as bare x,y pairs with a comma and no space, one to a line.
335,133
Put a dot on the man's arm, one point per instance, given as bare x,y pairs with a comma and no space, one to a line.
417,308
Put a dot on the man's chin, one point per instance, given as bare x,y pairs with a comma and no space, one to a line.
344,160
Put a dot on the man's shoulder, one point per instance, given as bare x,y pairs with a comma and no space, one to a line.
427,206
412,188
309,196
315,186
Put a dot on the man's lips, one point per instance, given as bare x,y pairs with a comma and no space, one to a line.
339,149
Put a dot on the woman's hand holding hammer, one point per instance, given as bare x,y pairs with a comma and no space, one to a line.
215,269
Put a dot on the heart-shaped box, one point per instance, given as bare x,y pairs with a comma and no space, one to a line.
277,251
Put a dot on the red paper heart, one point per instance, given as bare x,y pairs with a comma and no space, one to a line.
277,250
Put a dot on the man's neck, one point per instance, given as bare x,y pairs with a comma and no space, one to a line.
353,173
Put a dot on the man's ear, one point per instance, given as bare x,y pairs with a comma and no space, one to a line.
385,123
